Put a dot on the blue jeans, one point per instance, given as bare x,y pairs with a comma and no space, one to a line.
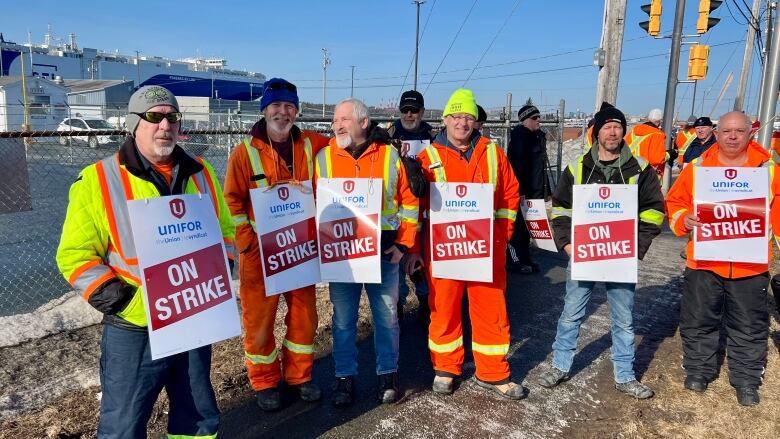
131,382
620,297
383,299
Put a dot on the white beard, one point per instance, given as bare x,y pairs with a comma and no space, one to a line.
279,127
164,151
410,126
343,140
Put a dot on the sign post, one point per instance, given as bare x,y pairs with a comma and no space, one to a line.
287,236
348,211
461,231
188,298
733,206
604,233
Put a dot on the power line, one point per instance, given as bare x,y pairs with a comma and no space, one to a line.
506,20
452,43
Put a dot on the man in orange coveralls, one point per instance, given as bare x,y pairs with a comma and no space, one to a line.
648,141
723,291
460,154
276,151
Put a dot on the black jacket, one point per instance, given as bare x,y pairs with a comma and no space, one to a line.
697,148
527,153
649,193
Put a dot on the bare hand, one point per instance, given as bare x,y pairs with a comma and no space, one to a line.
396,254
567,249
690,221
411,261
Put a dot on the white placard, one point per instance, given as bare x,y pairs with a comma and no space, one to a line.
412,148
187,294
733,204
348,215
604,232
461,231
287,236
535,217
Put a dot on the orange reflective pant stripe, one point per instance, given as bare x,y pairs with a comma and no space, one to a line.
267,363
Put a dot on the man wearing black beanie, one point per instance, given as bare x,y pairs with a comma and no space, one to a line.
527,153
608,161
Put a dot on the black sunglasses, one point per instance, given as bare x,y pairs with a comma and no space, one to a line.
155,117
534,117
282,86
410,109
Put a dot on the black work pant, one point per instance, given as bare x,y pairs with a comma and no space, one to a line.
741,304
518,251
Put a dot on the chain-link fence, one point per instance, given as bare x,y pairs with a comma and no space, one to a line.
36,172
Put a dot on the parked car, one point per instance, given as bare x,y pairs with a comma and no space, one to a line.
87,124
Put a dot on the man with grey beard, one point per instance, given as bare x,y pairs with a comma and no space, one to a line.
277,151
410,127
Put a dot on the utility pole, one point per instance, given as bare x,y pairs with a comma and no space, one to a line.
138,68
739,101
769,86
417,41
352,87
693,101
671,84
770,5
612,44
325,62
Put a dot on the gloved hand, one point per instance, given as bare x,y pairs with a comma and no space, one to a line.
112,297
417,183
673,154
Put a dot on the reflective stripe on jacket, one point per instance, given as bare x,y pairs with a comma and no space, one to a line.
97,242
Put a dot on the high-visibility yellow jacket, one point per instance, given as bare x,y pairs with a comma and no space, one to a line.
97,248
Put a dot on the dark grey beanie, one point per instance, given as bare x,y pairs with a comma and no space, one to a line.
143,99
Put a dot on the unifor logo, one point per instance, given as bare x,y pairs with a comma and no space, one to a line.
731,173
529,203
405,147
604,192
177,207
284,193
461,190
349,186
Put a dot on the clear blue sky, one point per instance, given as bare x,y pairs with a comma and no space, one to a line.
285,39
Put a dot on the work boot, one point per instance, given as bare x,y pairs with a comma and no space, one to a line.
697,383
343,391
308,391
513,391
424,312
388,388
552,378
269,399
443,385
747,395
635,389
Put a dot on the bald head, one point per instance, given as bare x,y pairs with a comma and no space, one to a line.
733,134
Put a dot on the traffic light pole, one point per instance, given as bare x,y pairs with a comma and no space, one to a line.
769,86
671,85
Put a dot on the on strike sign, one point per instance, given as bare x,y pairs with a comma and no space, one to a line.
604,233
348,212
287,235
412,148
187,294
535,215
733,205
461,230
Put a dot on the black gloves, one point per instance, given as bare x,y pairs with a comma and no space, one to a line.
417,183
112,297
673,154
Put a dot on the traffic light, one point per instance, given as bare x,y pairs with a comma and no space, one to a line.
705,22
697,62
653,26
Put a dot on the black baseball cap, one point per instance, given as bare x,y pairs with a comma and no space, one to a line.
411,99
703,122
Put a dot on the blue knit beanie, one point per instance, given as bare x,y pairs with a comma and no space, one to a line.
278,90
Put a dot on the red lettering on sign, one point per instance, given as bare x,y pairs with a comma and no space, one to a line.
289,246
461,240
737,219
604,241
539,229
185,286
348,238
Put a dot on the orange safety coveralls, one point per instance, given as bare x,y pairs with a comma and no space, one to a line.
679,203
264,366
648,142
487,301
683,141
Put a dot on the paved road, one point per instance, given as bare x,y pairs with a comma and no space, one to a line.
534,304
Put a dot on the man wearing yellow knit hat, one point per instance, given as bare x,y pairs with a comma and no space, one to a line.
459,154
